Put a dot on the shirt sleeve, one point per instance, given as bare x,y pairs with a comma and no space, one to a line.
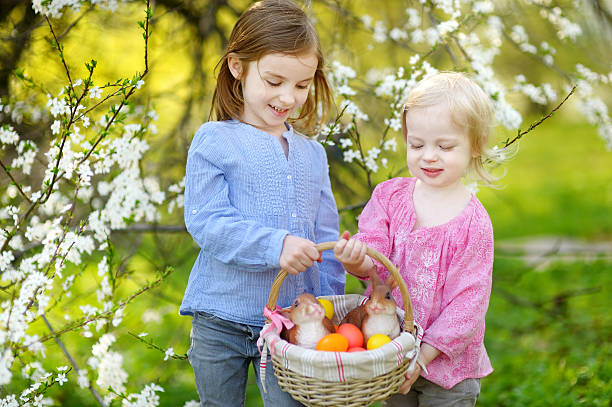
374,224
326,229
217,226
466,292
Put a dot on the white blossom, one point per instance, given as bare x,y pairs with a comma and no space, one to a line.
366,20
390,144
6,360
414,18
61,379
8,135
82,379
95,92
380,32
146,398
397,34
345,143
169,353
350,155
57,107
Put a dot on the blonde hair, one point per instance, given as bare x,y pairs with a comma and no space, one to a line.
270,26
470,107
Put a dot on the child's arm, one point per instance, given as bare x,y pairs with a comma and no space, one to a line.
217,226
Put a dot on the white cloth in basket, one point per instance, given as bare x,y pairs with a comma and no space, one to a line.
341,366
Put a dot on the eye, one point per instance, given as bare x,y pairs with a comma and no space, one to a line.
273,84
303,86
416,146
296,303
388,296
447,148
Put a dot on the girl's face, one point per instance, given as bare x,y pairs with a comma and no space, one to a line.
438,153
273,88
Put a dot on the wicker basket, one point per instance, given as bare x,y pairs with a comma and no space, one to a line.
317,388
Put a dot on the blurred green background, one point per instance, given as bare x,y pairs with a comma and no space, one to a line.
549,329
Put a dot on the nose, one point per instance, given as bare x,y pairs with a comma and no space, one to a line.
430,154
312,309
287,98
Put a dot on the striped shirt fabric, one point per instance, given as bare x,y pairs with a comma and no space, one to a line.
242,197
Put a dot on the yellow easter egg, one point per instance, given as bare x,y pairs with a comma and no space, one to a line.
328,306
377,340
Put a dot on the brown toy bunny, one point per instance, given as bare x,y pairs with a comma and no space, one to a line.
377,315
310,321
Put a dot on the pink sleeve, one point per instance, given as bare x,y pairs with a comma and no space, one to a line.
374,225
466,291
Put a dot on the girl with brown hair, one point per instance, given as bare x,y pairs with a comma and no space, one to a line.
257,198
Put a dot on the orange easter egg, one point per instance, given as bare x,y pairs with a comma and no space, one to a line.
356,349
333,343
377,340
352,333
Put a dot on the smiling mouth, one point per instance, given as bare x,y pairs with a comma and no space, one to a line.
278,109
432,172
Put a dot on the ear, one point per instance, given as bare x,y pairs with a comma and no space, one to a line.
374,277
235,66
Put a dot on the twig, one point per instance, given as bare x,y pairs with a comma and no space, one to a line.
87,320
15,182
74,23
154,346
536,124
72,361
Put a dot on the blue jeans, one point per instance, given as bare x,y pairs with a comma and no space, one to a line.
220,354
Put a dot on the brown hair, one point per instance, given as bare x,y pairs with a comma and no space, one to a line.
470,108
270,26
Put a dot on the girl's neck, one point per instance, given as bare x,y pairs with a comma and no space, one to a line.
436,206
453,191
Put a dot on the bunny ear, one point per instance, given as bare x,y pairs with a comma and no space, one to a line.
374,277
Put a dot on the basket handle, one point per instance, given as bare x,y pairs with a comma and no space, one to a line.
408,316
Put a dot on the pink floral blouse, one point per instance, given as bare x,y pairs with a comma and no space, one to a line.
447,269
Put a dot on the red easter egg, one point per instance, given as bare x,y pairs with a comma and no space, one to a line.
352,333
356,349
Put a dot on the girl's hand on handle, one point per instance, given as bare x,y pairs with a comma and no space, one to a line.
352,254
298,254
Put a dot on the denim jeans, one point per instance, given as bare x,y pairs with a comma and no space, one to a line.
220,354
427,394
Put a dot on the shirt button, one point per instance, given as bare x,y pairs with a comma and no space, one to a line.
293,215
194,211
288,176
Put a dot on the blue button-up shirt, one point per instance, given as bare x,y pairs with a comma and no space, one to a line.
242,197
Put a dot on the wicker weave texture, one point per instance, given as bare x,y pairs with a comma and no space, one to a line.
354,393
